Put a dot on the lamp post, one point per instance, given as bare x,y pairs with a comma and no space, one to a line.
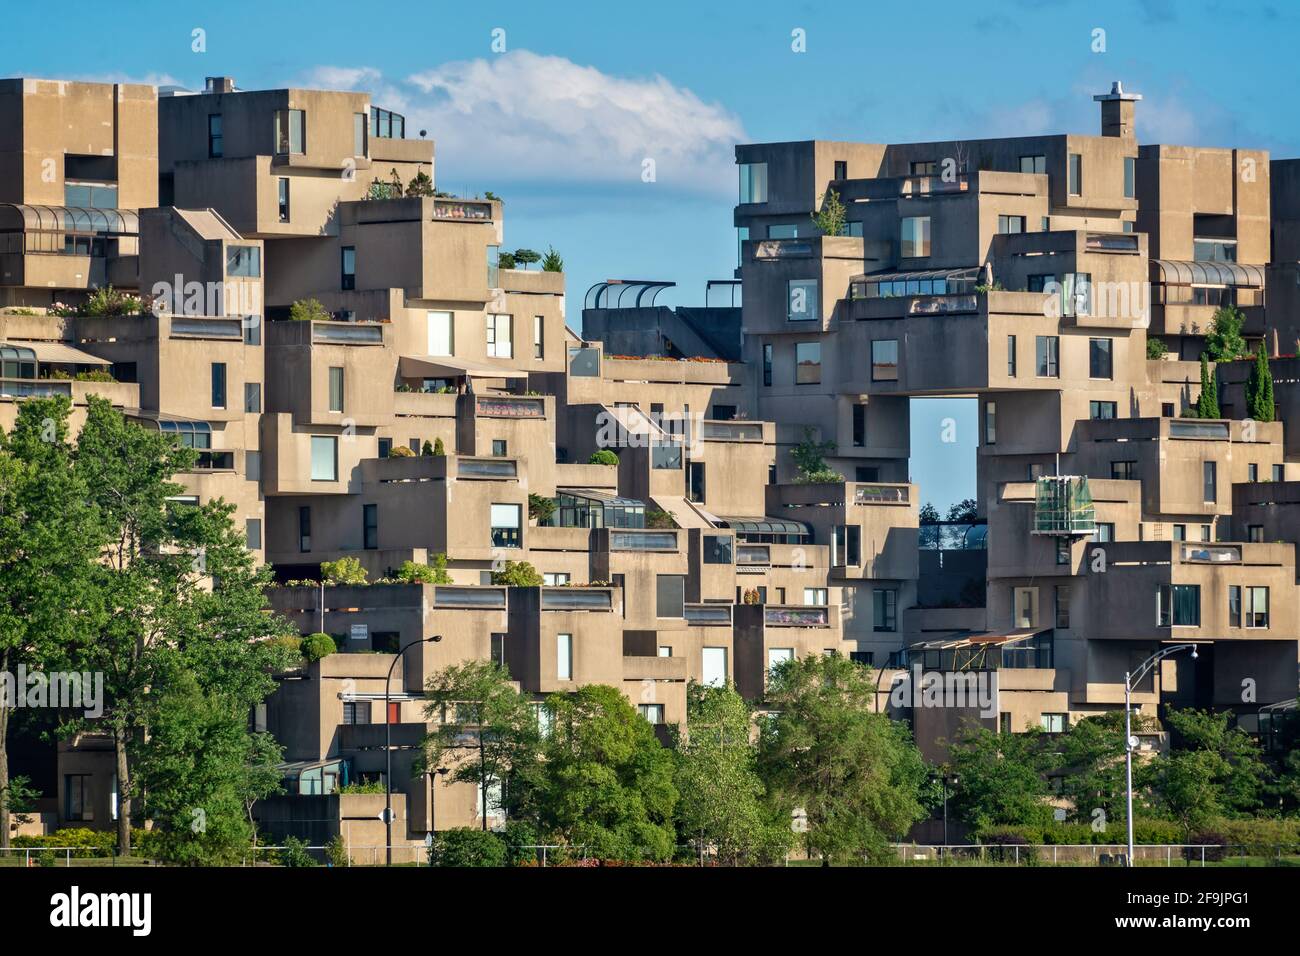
388,747
1130,742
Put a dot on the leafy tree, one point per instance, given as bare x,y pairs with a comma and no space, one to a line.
1207,405
540,508
723,802
487,726
201,770
435,572
552,261
1224,340
605,782
1156,348
1259,388
175,590
464,846
810,459
308,310
526,257
965,510
856,773
1001,778
49,539
439,449
427,448
518,574
505,260
929,514
318,645
343,571
1214,769
295,854
831,217
420,185
604,456
1092,755
930,534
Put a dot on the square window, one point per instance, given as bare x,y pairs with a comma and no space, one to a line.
324,458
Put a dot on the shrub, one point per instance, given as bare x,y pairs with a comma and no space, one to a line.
552,261
439,449
343,571
1156,348
655,518
426,450
290,641
336,852
603,457
295,853
506,260
400,451
518,574
1209,845
540,508
465,846
308,310
318,645
110,301
521,841
435,572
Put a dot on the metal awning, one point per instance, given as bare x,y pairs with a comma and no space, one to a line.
441,366
57,353
1203,272
16,217
764,525
603,497
981,639
624,293
968,272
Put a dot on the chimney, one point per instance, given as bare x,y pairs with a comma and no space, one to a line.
1117,111
219,84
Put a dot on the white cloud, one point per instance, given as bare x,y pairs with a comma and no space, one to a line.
521,116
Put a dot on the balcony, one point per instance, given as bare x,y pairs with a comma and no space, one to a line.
346,333
708,615
477,598
665,541
654,668
577,599
802,616
1063,506
500,406
462,209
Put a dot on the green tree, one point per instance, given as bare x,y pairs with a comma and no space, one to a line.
49,540
604,456
1092,755
487,727
427,449
175,590
1156,348
723,801
505,260
540,508
202,770
526,257
930,533
435,572
518,574
604,782
1207,405
810,459
343,571
855,773
1259,388
308,310
316,646
831,217
1213,769
463,846
552,261
420,185
439,449
1224,340
1001,778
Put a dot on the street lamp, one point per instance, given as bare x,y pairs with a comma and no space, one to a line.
1130,742
388,746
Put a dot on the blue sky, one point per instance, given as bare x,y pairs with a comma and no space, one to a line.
560,123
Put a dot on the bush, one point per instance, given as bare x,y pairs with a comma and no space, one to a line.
655,518
343,571
540,508
465,846
435,572
1208,845
552,261
400,451
308,310
295,854
603,457
336,852
521,843
439,449
318,645
518,574
1156,348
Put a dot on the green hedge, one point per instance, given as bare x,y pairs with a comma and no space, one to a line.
86,843
1258,835
466,846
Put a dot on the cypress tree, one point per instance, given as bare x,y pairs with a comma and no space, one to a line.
1207,405
1259,389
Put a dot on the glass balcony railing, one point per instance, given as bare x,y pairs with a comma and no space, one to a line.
708,614
574,599
796,616
1063,506
643,541
469,597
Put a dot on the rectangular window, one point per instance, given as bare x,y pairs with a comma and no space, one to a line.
1178,605
670,595
1130,177
1033,164
990,423
539,337
841,169
776,656
564,656
1099,358
665,650
783,231
252,397
651,712
441,339
1209,482
713,670
348,268
1255,533
304,529
1063,606
884,360
859,426
1252,472
370,526
1054,723
500,336
283,197
244,261
807,363
923,167
1062,550
753,182
1124,470
216,146
385,447
506,526
1010,225
252,330
1039,281
801,300
1026,607
1076,174
253,465
290,132
767,365
914,239
253,534
1180,532
1277,473
815,597
336,389
1256,607
498,448
1105,531
324,458
1011,356
356,712
1047,350
1234,605
360,129
1097,409
76,797
884,609
695,478
848,545
218,384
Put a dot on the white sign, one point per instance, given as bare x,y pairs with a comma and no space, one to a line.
360,632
